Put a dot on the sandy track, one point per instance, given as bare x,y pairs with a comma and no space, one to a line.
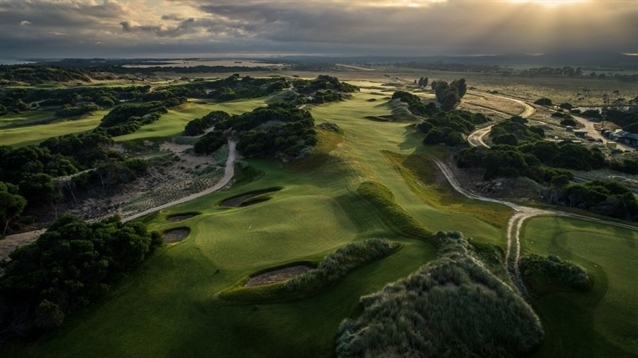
229,171
477,138
516,222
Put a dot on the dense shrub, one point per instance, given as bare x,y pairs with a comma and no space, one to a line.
451,307
210,142
70,266
542,274
543,101
132,113
568,122
199,125
602,197
76,111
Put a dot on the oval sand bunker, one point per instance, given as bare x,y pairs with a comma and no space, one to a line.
245,198
180,217
175,235
283,274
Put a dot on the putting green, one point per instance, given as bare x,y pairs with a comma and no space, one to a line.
603,322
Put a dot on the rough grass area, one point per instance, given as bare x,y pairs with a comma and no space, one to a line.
430,185
451,307
602,322
391,212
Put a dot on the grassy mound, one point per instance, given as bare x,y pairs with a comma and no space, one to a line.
392,213
452,307
334,267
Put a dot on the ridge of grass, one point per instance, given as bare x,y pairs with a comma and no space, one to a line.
419,172
391,212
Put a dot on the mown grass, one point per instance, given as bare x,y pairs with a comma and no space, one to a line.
21,136
604,321
170,308
173,122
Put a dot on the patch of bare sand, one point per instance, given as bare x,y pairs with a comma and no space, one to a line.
12,242
175,235
176,218
280,275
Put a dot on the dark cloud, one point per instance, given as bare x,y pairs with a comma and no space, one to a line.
338,27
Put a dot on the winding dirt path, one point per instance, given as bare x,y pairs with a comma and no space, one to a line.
516,222
477,138
229,171
12,242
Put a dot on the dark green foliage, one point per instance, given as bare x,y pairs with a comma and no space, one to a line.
415,105
543,101
199,125
444,135
128,118
599,196
210,142
11,205
337,264
516,126
70,266
76,111
592,113
391,212
568,122
567,106
323,82
423,82
35,74
509,161
508,139
561,115
38,189
625,119
279,130
543,274
629,166
450,95
451,307
329,126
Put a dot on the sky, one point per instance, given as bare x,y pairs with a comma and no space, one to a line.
225,28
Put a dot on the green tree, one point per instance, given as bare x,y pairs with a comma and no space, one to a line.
11,205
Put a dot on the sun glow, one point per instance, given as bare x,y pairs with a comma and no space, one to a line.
551,3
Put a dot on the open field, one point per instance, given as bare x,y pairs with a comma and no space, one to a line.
170,307
34,134
603,322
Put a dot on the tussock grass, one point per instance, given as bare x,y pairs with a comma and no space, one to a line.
451,307
545,274
391,212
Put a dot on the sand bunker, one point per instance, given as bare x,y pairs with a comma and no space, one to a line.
244,199
175,235
181,217
283,274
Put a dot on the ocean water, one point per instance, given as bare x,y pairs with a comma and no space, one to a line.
14,62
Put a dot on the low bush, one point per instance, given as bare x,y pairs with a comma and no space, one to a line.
451,307
543,274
